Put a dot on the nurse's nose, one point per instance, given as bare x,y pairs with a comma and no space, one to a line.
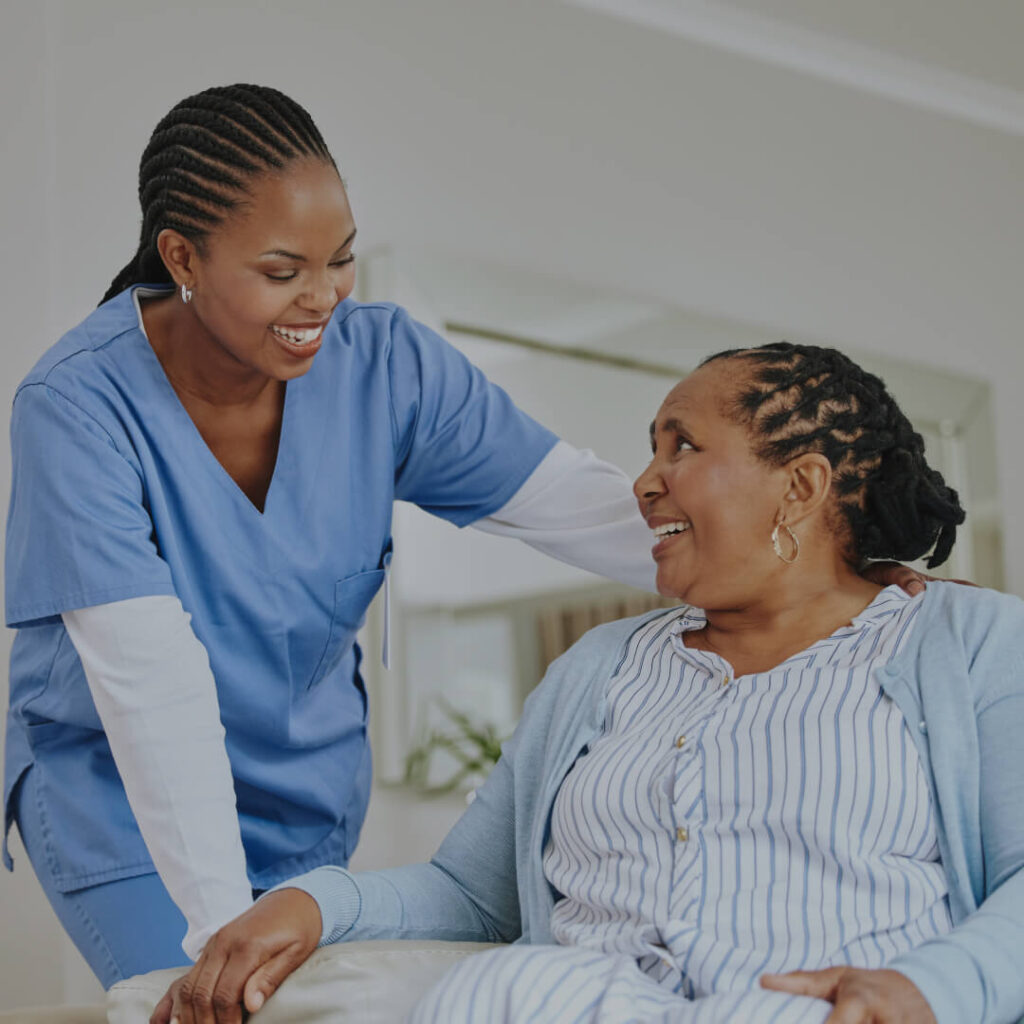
321,296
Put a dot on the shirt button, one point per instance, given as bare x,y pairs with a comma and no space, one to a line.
682,834
726,681
680,741
923,726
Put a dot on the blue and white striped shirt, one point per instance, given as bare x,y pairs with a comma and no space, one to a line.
723,828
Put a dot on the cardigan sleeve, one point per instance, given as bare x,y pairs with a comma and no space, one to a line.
976,971
466,893
486,881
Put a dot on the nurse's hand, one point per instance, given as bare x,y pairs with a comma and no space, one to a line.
885,574
245,962
860,996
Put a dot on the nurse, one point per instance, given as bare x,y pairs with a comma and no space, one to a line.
204,472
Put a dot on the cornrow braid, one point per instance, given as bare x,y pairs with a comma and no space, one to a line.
200,160
802,398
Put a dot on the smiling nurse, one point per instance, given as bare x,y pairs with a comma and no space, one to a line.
204,472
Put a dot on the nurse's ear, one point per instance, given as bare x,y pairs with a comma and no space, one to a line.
179,255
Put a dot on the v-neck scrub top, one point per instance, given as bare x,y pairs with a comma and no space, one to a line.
115,495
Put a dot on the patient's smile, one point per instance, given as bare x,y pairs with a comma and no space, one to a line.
666,532
668,528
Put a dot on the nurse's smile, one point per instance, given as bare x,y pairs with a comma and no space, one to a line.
300,341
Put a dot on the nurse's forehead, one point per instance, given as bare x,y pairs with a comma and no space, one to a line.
282,238
305,202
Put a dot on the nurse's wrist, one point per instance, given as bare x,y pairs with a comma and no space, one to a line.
336,894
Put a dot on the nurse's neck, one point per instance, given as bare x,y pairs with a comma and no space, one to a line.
199,366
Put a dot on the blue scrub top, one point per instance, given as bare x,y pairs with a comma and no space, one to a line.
116,495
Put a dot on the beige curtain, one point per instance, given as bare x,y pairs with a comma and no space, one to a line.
559,628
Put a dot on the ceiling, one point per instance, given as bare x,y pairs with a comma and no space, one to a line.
982,39
949,55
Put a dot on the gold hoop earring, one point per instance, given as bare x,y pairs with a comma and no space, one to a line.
794,540
186,295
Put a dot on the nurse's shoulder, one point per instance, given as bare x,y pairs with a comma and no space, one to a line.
373,330
364,329
77,364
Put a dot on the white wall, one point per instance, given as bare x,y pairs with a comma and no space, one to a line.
546,137
543,137
36,962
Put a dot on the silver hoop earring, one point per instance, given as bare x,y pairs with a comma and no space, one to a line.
793,538
186,295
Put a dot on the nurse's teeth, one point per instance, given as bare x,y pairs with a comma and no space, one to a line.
668,528
297,336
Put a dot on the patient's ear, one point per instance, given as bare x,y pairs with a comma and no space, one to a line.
808,480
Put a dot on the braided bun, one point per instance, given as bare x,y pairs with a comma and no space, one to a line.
803,398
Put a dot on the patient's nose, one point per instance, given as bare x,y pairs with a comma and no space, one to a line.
648,486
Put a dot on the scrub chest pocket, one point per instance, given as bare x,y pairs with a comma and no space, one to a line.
331,703
352,597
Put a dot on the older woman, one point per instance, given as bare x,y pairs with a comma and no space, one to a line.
796,797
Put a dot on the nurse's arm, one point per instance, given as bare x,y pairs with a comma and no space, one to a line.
581,510
150,679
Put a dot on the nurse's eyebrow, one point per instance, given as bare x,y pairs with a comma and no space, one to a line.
302,259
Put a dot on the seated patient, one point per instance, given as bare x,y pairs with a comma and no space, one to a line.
793,771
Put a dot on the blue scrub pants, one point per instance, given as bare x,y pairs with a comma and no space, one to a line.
121,928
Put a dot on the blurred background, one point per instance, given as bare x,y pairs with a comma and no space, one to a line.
587,197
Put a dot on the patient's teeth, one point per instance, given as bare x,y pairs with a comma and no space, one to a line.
667,529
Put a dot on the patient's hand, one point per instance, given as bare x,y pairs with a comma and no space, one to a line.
245,961
860,996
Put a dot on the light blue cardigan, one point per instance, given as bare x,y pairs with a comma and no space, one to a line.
959,682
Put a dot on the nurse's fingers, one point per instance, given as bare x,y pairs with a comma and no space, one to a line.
885,574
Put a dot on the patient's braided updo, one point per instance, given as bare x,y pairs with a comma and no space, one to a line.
802,398
200,160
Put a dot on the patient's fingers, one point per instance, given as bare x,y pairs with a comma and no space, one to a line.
162,1013
199,986
283,922
245,959
266,979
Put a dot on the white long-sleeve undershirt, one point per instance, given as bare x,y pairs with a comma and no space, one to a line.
151,681
581,510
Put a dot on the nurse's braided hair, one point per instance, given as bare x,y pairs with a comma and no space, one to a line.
802,398
200,159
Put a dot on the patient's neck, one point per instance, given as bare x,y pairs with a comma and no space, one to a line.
763,629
